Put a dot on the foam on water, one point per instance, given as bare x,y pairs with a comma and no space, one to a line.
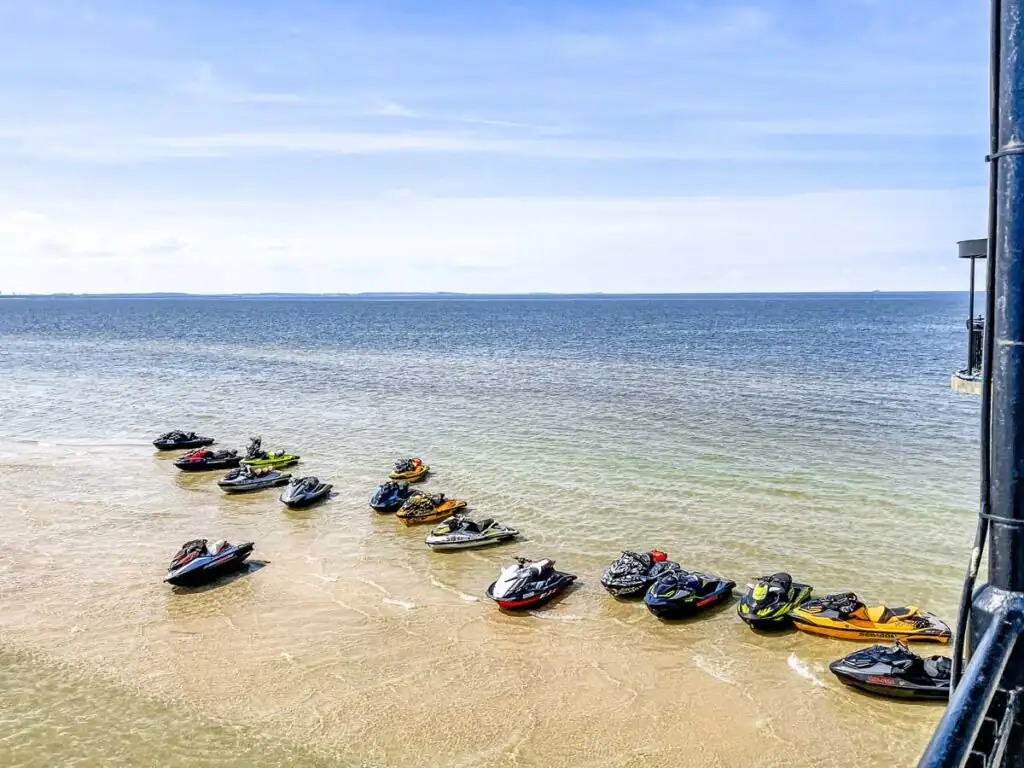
803,669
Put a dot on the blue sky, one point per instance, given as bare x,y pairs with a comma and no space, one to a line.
707,145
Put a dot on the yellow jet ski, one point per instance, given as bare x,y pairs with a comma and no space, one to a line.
423,508
257,458
844,616
411,470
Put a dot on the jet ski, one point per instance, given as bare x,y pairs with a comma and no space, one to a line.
527,584
205,460
390,497
424,508
304,491
411,470
895,671
459,532
676,593
245,479
178,440
632,573
768,602
257,458
843,615
197,564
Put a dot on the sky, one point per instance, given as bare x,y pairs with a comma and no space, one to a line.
230,146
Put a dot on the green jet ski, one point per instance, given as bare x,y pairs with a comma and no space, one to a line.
768,602
257,458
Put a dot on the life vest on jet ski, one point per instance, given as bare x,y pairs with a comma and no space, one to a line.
411,470
423,508
257,458
459,532
844,615
895,671
677,593
177,440
304,492
205,460
390,496
632,573
196,563
767,603
527,584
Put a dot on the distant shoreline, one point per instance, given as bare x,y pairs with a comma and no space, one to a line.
441,296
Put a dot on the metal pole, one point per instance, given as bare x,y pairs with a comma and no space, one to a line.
1006,551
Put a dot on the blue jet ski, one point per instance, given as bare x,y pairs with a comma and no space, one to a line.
676,593
390,497
197,564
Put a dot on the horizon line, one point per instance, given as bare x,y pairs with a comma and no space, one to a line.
456,294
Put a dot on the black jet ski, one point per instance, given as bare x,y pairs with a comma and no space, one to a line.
197,564
895,671
390,497
244,479
527,584
632,572
304,491
205,460
459,532
676,593
178,440
768,602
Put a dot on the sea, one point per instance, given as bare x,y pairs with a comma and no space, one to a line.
741,434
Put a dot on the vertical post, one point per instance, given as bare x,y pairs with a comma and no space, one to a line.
972,364
1006,553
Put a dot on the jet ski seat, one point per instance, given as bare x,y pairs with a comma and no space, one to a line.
781,581
879,614
542,566
937,667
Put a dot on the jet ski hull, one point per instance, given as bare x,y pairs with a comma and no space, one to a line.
531,598
208,465
634,588
891,686
256,484
273,462
413,516
412,475
182,445
306,499
816,618
847,632
684,606
469,541
895,672
203,570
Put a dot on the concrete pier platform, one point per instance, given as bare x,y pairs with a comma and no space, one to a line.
965,385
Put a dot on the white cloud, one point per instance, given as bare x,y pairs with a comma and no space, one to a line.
837,241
